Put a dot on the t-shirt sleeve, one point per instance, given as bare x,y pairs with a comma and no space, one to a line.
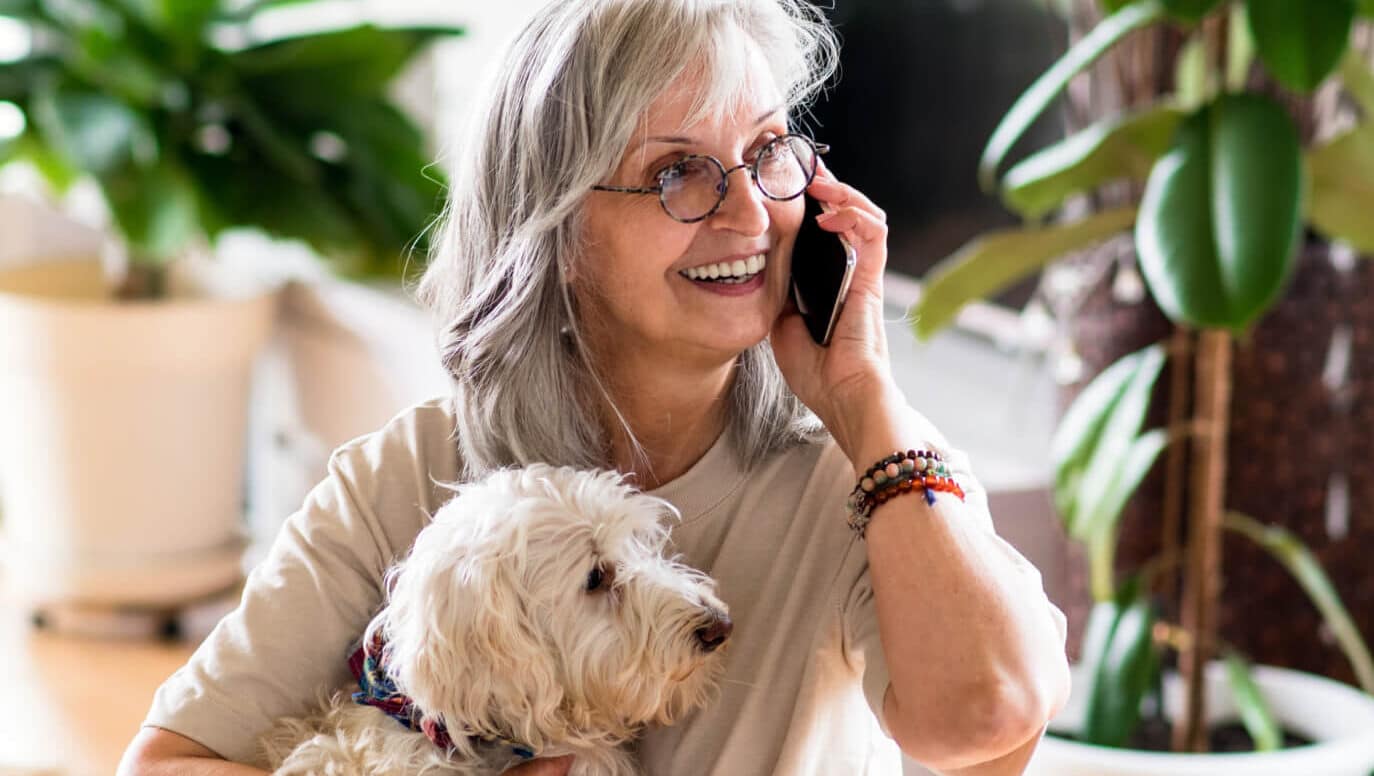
859,609
287,641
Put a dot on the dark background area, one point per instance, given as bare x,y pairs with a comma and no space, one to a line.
922,84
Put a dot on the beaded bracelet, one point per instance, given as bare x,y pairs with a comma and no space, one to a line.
901,472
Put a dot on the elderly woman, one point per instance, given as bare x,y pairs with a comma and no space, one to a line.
586,321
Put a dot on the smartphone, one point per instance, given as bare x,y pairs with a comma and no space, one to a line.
822,267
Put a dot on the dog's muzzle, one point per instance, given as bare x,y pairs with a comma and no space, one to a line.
715,632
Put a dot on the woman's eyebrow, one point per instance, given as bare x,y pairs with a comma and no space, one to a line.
692,141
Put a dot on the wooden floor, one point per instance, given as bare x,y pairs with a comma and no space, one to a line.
72,703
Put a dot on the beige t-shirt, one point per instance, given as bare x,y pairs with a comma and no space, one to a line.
805,675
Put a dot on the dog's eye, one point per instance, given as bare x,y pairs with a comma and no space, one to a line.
600,577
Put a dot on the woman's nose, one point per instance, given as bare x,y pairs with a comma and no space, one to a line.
743,209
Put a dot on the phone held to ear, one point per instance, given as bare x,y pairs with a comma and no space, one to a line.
822,267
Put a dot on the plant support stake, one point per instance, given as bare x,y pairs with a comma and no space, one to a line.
1203,581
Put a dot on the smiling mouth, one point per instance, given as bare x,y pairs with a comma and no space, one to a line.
732,273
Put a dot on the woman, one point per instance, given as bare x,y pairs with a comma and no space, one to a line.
582,326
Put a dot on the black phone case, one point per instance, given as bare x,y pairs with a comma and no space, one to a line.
820,263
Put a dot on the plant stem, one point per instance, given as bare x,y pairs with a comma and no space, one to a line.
142,280
1207,493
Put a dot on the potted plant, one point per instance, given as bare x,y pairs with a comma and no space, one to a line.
125,390
1228,187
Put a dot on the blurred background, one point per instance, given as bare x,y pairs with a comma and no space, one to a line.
207,209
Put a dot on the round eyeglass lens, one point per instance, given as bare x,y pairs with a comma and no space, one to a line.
691,188
785,167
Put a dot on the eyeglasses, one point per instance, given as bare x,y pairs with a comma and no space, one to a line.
694,187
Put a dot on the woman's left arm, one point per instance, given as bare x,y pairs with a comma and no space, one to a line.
974,648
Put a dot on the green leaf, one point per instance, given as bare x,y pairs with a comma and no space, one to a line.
1103,464
1365,8
1240,49
1254,710
1077,433
1220,218
95,132
1033,102
1101,519
1120,147
384,177
1124,667
1193,80
1359,81
1342,187
314,73
1298,559
156,209
997,259
1301,42
1189,10
56,171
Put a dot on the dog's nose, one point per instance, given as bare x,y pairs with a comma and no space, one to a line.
715,634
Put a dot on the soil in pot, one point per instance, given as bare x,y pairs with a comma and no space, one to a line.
1154,734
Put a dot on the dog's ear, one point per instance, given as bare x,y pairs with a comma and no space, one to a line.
462,643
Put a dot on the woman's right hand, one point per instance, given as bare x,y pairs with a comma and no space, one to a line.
545,766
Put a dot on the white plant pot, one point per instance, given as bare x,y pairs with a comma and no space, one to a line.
1337,717
122,433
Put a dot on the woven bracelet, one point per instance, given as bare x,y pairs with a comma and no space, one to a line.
902,472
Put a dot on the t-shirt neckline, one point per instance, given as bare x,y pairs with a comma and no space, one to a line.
705,483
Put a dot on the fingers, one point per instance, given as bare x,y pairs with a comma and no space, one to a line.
826,188
855,221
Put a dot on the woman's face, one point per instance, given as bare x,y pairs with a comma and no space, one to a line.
631,286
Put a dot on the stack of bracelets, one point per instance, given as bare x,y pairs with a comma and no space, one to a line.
901,472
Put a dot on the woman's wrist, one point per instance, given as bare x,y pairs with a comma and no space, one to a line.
879,424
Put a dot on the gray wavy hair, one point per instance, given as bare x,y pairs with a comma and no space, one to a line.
553,119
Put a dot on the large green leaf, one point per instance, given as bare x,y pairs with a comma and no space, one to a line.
1220,218
997,259
1254,710
1300,42
1302,564
1119,147
1077,433
1124,666
1033,102
384,177
312,73
1341,199
95,132
1366,8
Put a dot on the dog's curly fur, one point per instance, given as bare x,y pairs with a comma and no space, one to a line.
491,627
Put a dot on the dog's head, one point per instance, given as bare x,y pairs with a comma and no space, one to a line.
540,604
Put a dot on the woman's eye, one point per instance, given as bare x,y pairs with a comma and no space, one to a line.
668,172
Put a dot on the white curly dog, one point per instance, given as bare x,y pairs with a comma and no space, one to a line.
537,615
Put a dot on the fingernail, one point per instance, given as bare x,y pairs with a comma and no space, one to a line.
825,218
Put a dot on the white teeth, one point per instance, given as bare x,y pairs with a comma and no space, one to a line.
736,269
